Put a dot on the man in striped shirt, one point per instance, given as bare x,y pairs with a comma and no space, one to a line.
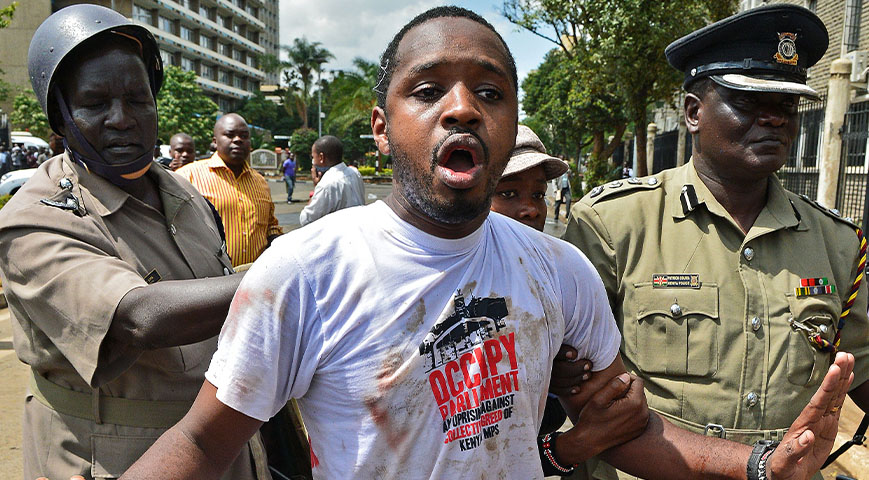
240,194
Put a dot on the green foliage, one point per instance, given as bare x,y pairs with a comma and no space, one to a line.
350,96
27,115
260,112
300,144
6,14
4,199
615,54
183,108
366,171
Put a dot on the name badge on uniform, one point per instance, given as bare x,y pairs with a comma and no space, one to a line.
153,277
814,286
676,280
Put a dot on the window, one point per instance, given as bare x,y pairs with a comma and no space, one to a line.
207,72
188,64
853,12
238,55
225,77
251,61
187,34
206,42
812,5
238,82
225,50
143,15
166,25
253,11
226,22
184,3
167,57
209,13
225,104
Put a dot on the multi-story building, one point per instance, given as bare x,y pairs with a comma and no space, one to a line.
220,40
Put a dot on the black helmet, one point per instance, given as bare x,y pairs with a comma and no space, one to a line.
68,28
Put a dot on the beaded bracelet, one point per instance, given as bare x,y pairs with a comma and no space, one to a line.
547,457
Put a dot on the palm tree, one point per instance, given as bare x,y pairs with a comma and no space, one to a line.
353,92
304,60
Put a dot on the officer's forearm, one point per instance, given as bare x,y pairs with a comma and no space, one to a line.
173,313
665,451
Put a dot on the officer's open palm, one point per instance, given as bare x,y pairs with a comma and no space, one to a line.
810,438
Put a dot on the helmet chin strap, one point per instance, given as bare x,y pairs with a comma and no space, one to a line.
91,159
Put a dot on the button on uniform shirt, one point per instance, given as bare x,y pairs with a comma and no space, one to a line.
244,203
705,309
340,187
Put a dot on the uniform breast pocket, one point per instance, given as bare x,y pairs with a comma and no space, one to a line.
814,314
677,330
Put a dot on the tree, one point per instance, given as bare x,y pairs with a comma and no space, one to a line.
619,46
27,115
6,14
349,98
302,67
182,107
261,112
300,144
571,114
351,95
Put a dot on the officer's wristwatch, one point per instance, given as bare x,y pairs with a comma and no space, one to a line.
756,468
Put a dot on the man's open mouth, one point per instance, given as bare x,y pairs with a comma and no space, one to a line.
460,159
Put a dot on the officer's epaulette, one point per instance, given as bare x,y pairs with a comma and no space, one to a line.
620,186
830,212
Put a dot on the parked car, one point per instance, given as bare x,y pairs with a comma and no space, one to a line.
12,181
27,140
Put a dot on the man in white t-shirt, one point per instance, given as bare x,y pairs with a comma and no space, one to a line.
418,333
336,185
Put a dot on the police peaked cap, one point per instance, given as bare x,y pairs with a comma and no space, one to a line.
764,49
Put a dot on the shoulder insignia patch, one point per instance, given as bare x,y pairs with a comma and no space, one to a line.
615,187
830,212
65,199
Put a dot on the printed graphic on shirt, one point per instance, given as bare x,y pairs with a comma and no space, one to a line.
472,369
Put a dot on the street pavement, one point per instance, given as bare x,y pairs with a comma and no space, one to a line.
14,374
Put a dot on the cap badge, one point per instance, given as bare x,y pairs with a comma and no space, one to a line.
787,49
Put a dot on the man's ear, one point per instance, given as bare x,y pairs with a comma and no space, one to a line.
693,110
378,128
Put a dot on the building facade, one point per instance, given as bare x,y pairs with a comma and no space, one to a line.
220,40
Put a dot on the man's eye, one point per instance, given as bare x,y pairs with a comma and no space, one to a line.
490,94
427,93
538,195
507,194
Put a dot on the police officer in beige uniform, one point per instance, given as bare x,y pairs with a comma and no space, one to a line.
105,260
728,289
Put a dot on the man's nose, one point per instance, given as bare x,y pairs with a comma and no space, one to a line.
528,209
118,117
460,108
772,116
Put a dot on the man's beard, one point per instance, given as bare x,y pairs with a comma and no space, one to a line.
416,188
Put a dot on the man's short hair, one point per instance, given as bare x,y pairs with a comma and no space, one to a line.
331,147
388,59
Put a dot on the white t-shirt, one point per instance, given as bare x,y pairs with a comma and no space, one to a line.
412,356
340,187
